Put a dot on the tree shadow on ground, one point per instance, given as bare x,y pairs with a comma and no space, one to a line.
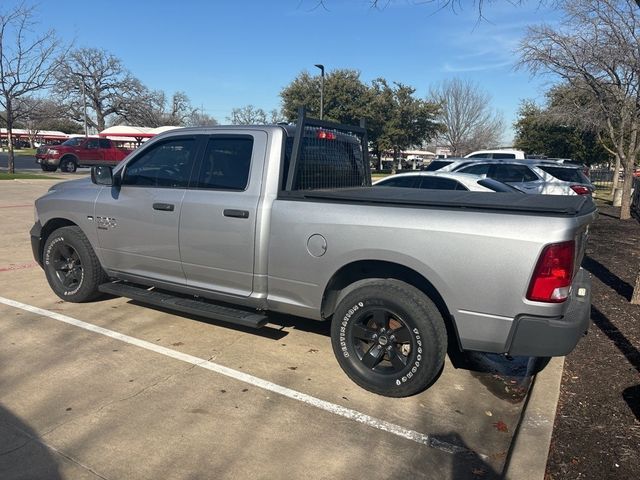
631,395
465,463
607,277
22,455
618,338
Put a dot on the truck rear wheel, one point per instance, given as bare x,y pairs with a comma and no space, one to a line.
389,338
68,164
71,266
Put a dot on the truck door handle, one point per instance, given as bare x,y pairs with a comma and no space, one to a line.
165,207
236,213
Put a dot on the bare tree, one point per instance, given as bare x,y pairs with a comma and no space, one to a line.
27,62
200,119
151,108
595,50
455,6
248,115
100,79
466,112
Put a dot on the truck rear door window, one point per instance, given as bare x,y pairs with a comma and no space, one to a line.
226,163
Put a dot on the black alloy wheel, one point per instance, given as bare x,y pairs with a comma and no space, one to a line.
388,337
67,266
383,341
72,268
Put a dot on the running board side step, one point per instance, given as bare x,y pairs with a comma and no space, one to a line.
186,305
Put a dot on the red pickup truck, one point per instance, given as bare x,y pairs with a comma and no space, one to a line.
79,151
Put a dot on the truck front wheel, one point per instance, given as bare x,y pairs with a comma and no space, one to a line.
68,164
71,266
389,338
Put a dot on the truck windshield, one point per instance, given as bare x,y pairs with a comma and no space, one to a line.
73,142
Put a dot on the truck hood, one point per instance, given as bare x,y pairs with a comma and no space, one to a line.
77,183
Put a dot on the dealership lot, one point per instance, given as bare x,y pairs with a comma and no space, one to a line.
113,389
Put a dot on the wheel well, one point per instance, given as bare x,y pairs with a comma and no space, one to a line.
50,227
369,269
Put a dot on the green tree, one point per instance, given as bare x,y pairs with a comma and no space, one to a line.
344,96
405,120
540,132
395,118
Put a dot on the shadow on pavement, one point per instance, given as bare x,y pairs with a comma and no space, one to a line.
618,338
467,464
21,454
506,377
607,277
631,395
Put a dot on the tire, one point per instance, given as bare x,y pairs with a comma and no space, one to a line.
48,168
71,266
389,338
68,164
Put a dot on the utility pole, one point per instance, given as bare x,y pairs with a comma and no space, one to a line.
84,101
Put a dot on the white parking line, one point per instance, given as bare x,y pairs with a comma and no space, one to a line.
373,422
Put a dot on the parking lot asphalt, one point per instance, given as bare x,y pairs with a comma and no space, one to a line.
112,389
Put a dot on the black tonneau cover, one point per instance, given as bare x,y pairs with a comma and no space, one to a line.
563,205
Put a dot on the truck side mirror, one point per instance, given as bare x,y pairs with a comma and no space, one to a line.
102,175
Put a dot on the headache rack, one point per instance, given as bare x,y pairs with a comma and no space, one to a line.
327,155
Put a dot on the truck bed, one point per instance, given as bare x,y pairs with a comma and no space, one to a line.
552,205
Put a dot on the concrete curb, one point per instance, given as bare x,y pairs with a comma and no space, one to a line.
530,447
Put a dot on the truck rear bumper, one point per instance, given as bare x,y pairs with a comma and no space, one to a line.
552,337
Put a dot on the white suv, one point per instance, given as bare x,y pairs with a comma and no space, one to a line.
530,176
499,154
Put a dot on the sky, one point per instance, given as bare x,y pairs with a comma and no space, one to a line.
225,54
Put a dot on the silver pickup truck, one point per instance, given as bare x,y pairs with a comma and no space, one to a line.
232,223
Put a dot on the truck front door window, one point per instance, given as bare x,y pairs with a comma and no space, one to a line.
167,164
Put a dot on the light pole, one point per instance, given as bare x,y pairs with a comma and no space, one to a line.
321,67
84,101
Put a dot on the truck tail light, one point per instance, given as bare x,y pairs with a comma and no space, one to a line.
324,135
552,276
581,189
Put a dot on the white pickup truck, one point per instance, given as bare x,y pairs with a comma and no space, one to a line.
232,223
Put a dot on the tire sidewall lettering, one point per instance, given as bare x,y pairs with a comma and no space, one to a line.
343,328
